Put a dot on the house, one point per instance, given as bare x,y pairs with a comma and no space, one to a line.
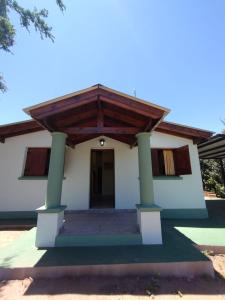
97,150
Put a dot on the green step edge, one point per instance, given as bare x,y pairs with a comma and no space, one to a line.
98,240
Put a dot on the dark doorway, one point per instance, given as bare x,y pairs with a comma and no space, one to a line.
102,189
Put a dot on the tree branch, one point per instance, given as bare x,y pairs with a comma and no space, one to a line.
28,17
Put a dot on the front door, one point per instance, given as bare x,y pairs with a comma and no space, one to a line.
102,189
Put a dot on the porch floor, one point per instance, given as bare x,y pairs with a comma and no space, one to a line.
101,222
176,257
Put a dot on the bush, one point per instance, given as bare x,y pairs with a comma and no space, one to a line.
220,191
212,176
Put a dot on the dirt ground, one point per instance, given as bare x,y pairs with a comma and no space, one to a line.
129,288
210,196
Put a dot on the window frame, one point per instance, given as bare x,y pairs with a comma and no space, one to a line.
156,166
45,175
161,159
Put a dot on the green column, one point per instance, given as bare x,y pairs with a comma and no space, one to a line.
145,169
56,170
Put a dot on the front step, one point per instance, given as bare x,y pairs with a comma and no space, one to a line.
63,240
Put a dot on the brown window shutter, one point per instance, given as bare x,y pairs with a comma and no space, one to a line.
155,162
182,161
36,161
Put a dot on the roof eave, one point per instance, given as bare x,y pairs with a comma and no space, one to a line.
28,110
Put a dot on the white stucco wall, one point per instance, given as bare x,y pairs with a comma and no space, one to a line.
20,195
76,187
27,195
185,193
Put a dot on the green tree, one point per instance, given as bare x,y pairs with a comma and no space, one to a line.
28,18
213,174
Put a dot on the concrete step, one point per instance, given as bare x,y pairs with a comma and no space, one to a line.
63,240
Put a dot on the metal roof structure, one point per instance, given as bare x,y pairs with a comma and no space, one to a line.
213,148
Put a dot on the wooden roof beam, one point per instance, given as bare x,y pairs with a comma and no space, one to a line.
48,124
100,116
146,129
148,126
127,103
75,118
70,143
20,127
127,139
101,130
133,106
81,138
125,118
174,128
59,107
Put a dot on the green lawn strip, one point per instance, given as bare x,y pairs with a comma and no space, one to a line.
204,236
23,253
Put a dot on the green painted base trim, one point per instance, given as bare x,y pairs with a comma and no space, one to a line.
18,215
198,213
98,240
167,178
44,210
148,207
34,178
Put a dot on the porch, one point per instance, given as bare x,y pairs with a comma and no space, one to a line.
130,122
99,227
176,257
102,113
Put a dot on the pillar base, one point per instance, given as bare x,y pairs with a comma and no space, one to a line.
49,223
149,222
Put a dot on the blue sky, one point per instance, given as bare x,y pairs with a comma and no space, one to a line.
171,51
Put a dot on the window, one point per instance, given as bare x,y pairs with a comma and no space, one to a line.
171,162
37,162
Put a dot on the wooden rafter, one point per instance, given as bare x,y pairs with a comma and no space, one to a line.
102,130
182,130
148,126
76,118
48,124
150,110
110,122
127,139
70,142
115,99
129,107
100,116
16,129
77,139
59,107
124,117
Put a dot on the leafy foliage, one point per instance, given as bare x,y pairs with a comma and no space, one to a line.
212,176
28,18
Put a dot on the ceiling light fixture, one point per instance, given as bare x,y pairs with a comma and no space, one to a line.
102,142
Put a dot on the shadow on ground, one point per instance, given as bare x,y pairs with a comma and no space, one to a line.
216,219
